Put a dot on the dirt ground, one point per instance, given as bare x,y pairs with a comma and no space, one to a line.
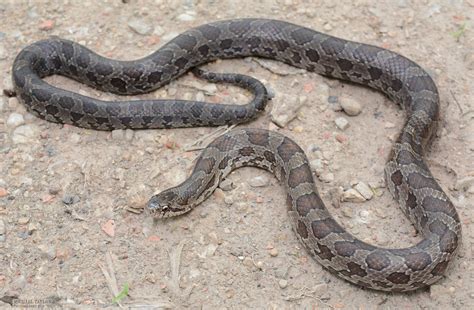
67,233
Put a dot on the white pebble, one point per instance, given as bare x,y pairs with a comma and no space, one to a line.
15,120
326,177
341,123
186,17
24,134
259,181
317,166
286,108
364,190
226,185
139,26
283,283
350,106
351,195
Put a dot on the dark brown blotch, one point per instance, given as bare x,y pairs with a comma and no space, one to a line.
377,261
345,248
205,164
224,162
269,156
259,138
418,261
397,178
439,269
323,228
411,201
246,151
287,149
448,242
324,252
308,202
300,175
398,278
302,230
354,269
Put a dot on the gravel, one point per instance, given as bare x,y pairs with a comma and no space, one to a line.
285,109
14,120
352,195
350,106
25,134
341,123
259,181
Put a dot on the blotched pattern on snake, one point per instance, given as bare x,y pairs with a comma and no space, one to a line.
407,176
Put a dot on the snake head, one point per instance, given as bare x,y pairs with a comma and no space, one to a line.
165,204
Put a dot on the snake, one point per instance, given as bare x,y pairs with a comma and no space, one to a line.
407,176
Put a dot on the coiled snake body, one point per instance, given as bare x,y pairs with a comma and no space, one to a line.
407,176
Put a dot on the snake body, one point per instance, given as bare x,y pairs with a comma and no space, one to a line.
407,176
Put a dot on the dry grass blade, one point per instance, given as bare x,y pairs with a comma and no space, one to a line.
110,276
202,142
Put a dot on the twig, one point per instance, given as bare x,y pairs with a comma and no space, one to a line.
110,276
175,262
456,101
198,144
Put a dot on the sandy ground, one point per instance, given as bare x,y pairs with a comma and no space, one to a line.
67,235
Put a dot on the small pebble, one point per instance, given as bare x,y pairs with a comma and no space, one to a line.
286,109
186,17
341,123
48,251
228,200
327,27
351,195
273,252
326,177
14,120
226,185
70,199
317,166
259,181
23,220
350,106
247,262
389,125
24,134
3,192
139,26
283,283
46,25
364,190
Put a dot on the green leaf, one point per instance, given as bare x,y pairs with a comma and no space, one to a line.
122,294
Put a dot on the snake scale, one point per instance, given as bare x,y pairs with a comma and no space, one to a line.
407,175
